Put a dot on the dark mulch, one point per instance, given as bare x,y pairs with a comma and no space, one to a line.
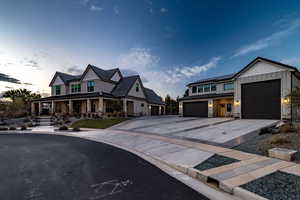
53,167
215,161
260,144
276,186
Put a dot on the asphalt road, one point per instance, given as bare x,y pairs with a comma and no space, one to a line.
45,167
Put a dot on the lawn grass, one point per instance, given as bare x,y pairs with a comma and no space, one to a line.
97,123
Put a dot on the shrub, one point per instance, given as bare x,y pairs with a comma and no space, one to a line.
287,128
3,128
279,139
63,128
30,124
26,120
76,129
23,128
12,128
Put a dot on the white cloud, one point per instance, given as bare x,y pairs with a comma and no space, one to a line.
96,8
295,61
141,61
116,10
163,10
274,38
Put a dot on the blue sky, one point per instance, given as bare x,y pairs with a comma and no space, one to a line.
168,42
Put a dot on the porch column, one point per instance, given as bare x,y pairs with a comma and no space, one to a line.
52,107
88,105
32,108
40,108
159,110
100,106
125,107
70,106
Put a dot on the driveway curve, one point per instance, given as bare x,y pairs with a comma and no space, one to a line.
47,167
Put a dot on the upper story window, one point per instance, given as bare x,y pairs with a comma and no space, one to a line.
206,88
90,86
194,89
57,89
137,87
213,87
75,88
200,88
228,86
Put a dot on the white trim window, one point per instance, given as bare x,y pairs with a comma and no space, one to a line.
75,88
228,86
90,86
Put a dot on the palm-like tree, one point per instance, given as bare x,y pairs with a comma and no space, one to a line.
23,94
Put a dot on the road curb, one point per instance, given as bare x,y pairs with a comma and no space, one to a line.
246,195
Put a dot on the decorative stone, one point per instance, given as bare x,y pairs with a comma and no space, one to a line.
282,153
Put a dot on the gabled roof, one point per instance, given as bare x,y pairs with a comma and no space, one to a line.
104,75
66,78
153,98
266,60
214,79
124,85
232,76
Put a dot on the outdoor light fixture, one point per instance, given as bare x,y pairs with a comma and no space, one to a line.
285,100
237,103
210,105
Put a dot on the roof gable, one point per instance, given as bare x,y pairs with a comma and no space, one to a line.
89,75
261,66
133,91
124,85
153,98
65,78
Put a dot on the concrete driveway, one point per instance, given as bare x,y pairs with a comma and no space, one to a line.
225,131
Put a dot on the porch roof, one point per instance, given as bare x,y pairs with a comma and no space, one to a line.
75,96
207,96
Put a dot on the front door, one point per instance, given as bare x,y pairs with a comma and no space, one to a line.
222,110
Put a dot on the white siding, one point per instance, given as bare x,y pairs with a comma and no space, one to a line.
220,89
262,67
133,91
116,77
58,82
90,75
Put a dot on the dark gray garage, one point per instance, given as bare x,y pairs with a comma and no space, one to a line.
261,100
154,110
195,109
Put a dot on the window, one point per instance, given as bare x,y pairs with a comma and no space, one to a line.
228,86
93,109
75,88
213,87
194,89
56,89
142,105
200,88
90,86
206,88
137,87
228,107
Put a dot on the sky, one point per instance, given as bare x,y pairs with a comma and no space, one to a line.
169,43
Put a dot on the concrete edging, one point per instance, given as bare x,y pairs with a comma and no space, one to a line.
246,195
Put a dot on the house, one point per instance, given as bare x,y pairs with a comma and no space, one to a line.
94,93
258,91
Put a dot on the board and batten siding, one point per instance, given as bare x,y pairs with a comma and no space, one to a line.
63,88
219,90
132,92
263,72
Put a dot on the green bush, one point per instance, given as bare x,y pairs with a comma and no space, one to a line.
12,128
3,128
76,129
279,140
63,128
23,128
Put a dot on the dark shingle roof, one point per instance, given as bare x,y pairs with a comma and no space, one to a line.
105,75
152,97
124,85
217,78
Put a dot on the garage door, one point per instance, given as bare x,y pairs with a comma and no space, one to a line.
195,109
154,110
261,100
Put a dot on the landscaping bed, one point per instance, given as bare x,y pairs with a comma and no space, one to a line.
260,144
97,123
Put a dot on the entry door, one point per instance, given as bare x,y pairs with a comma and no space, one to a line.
261,100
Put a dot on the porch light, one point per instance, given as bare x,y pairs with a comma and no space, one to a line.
210,105
285,100
180,105
237,103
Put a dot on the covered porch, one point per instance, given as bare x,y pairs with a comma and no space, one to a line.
223,107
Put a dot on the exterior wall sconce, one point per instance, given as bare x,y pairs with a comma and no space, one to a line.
210,105
180,105
237,103
285,100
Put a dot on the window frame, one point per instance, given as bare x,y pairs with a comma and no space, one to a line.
76,88
57,89
229,107
226,84
213,85
91,86
200,89
194,89
206,86
137,87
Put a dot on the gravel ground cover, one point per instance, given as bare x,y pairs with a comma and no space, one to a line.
260,144
215,161
49,167
276,186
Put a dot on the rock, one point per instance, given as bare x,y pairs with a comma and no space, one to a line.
282,153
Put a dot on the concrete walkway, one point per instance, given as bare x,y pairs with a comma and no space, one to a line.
185,155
